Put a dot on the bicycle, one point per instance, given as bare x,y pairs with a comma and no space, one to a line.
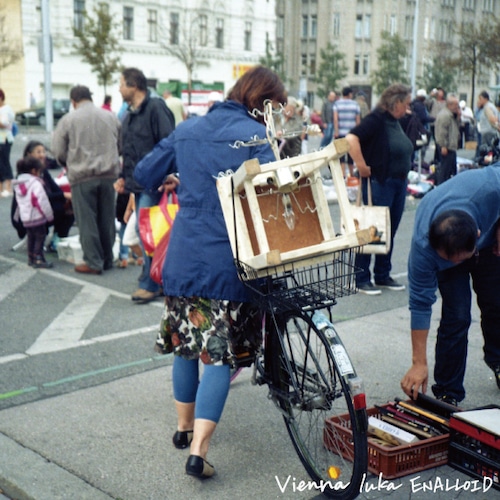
308,372
296,266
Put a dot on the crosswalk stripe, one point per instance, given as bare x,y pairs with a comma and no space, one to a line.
14,278
69,326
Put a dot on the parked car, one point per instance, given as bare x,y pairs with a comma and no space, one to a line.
36,115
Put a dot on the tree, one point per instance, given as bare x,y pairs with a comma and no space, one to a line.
99,45
332,69
475,51
390,57
273,61
185,46
10,50
438,72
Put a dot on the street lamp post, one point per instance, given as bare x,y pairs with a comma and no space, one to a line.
47,60
414,51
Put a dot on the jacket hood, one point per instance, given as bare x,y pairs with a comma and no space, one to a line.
22,183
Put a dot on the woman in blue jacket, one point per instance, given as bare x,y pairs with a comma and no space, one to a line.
203,295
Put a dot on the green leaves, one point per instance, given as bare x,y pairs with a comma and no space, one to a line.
98,44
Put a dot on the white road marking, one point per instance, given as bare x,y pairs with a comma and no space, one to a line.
14,278
69,326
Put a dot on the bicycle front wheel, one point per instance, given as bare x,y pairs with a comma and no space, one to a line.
328,432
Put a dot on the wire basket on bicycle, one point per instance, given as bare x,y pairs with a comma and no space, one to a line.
303,284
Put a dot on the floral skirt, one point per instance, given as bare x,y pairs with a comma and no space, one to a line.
216,331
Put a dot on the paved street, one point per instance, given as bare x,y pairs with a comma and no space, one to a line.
85,404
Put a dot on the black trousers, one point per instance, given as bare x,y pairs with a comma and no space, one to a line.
447,167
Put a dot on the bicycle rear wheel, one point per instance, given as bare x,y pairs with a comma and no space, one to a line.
314,393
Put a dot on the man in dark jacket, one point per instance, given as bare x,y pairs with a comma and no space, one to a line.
148,120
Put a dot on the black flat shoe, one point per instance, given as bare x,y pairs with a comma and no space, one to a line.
182,439
197,466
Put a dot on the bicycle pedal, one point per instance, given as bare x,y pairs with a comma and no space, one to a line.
244,359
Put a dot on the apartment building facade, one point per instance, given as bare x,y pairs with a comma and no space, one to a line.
304,27
229,36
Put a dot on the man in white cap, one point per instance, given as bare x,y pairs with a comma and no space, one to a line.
467,118
419,108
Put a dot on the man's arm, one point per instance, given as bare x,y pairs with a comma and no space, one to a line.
335,123
418,374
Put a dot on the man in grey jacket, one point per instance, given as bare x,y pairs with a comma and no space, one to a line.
87,142
447,130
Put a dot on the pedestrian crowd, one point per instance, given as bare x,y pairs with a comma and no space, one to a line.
118,164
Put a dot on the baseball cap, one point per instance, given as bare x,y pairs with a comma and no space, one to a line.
421,93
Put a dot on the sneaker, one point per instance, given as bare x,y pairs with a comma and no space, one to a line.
123,263
496,371
6,194
450,400
390,284
368,289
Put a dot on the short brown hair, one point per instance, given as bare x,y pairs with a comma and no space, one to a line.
80,93
257,85
135,78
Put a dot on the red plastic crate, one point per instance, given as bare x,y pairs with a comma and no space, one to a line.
475,464
392,462
474,450
469,429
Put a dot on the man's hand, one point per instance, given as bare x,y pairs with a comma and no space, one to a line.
416,377
170,184
119,185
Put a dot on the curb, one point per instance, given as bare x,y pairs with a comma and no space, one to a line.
46,480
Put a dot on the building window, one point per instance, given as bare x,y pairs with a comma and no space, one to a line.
488,5
392,25
128,23
303,64
305,22
203,23
280,27
314,26
174,28
366,64
367,26
357,60
312,64
469,4
219,33
408,27
152,25
78,14
336,24
363,26
248,36
358,30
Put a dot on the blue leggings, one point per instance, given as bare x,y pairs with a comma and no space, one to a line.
209,395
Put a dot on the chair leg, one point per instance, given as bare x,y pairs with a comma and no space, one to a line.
20,244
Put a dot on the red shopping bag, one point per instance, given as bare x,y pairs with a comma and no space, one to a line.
156,221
